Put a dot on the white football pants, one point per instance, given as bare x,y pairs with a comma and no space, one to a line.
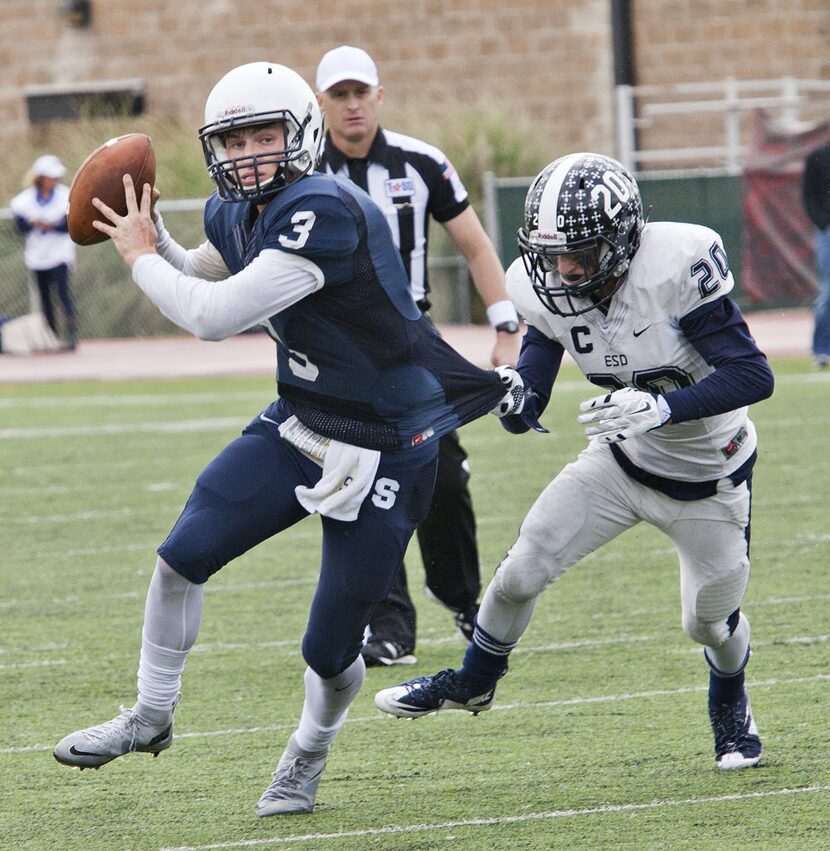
592,501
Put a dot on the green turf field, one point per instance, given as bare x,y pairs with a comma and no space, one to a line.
599,738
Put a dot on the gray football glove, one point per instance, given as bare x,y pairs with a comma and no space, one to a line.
514,398
622,414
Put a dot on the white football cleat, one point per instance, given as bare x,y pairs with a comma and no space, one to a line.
128,733
425,695
295,782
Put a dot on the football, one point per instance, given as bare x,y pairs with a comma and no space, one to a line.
100,176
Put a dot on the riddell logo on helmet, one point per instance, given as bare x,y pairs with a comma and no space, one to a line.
233,111
548,237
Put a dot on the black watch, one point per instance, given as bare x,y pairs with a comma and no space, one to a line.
509,327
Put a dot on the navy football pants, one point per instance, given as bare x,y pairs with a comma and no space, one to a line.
246,495
449,550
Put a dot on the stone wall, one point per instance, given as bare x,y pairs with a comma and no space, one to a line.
680,42
550,59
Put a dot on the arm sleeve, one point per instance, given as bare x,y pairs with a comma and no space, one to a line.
539,363
742,374
203,262
214,310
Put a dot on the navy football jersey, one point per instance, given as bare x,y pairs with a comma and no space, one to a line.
356,361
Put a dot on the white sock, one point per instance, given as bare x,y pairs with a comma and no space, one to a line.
159,680
326,706
172,616
730,658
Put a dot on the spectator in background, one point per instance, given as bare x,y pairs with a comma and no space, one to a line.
412,181
815,190
40,215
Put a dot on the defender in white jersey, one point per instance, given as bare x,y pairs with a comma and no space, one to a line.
639,343
645,311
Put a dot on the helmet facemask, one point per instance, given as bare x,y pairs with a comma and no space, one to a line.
292,159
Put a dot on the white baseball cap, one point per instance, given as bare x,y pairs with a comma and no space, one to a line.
48,166
346,63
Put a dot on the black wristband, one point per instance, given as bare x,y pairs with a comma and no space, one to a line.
509,327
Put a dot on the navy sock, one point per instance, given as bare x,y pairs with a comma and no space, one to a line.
725,690
485,660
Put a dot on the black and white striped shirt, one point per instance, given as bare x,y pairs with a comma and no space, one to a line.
410,181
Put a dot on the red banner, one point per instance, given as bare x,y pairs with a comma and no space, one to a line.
778,240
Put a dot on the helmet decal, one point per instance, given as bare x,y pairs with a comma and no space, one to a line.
585,206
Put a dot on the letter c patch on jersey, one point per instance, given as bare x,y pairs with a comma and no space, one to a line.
577,333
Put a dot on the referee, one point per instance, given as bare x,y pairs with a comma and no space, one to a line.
411,181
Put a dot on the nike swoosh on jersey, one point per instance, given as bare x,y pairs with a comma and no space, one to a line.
642,331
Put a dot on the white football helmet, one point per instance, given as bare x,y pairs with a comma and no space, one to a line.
254,94
586,207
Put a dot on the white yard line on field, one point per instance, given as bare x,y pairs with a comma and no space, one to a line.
130,400
601,809
257,396
75,517
43,648
508,707
172,427
74,599
149,546
193,425
43,663
294,643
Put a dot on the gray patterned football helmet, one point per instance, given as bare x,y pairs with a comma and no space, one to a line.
586,207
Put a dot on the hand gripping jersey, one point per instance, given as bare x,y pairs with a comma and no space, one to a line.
640,343
355,359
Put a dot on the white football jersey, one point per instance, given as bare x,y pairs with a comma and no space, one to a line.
677,268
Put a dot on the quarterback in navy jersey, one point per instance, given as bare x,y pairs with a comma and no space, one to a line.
355,359
645,311
366,388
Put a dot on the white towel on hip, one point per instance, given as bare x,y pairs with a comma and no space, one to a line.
348,474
